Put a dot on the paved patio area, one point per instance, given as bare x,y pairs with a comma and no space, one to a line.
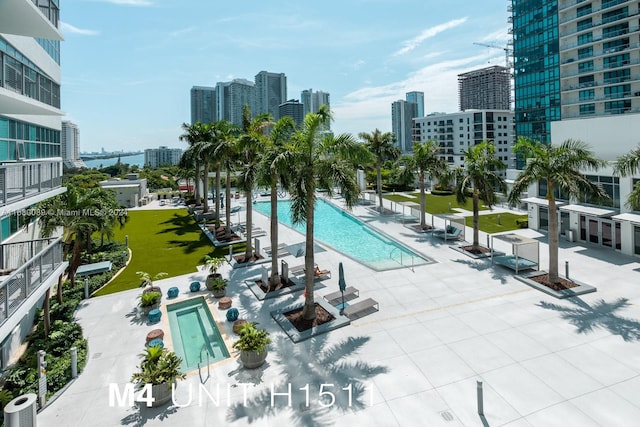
440,329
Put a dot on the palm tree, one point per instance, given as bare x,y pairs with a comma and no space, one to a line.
560,167
383,148
205,147
190,158
325,162
628,164
220,132
227,154
426,161
250,144
273,170
481,175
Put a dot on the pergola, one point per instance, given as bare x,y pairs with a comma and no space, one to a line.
525,252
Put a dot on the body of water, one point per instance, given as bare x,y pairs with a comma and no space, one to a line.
350,236
137,159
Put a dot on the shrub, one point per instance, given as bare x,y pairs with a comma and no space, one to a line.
522,222
437,192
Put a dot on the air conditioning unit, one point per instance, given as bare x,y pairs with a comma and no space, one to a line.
21,411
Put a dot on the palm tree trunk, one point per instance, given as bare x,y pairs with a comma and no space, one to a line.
379,183
553,237
423,201
476,240
275,274
227,190
217,196
249,224
309,309
59,290
196,184
205,188
75,260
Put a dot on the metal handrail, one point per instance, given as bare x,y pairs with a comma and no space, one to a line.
204,347
401,260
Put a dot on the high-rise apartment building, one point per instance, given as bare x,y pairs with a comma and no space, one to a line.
402,114
294,109
203,104
223,101
162,156
577,77
536,67
271,91
311,102
70,145
30,162
418,99
241,92
485,89
457,132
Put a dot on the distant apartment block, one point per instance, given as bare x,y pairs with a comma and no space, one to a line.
130,192
485,89
203,104
162,156
294,109
30,163
271,91
418,99
231,97
70,145
402,115
311,102
457,132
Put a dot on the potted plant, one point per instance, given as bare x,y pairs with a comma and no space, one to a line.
212,264
149,301
159,368
218,286
146,281
252,345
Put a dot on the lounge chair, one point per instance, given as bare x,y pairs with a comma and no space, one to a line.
299,271
361,308
279,247
449,233
336,297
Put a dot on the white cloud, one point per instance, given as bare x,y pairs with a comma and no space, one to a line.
70,29
411,44
178,33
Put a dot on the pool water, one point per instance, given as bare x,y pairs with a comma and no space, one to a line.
350,236
194,333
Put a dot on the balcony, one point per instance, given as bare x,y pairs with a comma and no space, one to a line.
24,180
30,265
23,18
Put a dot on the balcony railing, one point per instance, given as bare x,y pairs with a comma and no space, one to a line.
29,265
21,180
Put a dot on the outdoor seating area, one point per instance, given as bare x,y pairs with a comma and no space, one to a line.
449,233
318,274
525,252
335,298
361,308
454,227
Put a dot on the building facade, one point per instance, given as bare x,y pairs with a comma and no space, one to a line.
241,92
162,156
271,91
203,104
130,192
294,109
598,100
457,132
418,99
30,163
485,89
402,115
70,145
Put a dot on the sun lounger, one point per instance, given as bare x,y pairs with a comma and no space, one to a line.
451,233
361,308
515,263
299,271
279,247
336,297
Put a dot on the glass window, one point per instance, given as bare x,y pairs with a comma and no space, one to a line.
636,239
617,76
585,38
619,91
585,66
616,60
584,24
585,52
587,95
617,107
587,109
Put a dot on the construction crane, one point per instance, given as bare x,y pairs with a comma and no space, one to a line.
508,51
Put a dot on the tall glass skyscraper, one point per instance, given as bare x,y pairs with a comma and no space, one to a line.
203,104
536,67
271,91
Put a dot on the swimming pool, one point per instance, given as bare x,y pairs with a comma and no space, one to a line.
350,236
194,332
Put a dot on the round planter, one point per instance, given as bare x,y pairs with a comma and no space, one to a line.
219,293
252,359
209,281
161,393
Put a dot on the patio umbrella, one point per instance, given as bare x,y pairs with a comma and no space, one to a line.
342,284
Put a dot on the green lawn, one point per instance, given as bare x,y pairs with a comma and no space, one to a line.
489,223
435,204
161,240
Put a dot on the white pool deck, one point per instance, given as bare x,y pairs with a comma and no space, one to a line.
440,329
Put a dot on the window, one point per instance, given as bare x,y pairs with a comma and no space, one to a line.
585,38
585,67
587,95
586,81
616,60
617,91
584,24
615,30
583,10
587,109
617,107
617,76
615,15
616,45
585,52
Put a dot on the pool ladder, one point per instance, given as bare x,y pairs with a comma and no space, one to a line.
206,350
401,260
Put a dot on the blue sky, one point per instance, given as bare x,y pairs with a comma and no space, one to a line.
128,65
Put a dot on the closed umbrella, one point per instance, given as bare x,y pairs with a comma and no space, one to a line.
342,284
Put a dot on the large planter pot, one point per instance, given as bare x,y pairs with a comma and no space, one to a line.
153,289
161,393
252,359
219,293
209,281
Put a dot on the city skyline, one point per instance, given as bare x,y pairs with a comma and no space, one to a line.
138,96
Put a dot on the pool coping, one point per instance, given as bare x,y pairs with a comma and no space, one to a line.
297,336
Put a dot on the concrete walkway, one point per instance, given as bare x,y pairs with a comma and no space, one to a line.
440,329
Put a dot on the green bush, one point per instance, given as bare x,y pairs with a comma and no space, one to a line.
436,192
522,223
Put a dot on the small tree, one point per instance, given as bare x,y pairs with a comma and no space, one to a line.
628,164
